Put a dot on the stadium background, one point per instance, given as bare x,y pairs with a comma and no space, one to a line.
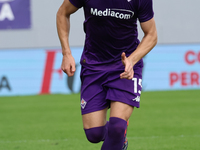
30,58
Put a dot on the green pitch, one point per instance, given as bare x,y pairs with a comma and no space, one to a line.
166,121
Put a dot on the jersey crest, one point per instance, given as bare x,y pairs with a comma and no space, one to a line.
83,103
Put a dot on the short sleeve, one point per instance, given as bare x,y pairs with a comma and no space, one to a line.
145,10
77,3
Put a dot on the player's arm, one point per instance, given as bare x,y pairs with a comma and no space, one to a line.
146,45
148,42
63,27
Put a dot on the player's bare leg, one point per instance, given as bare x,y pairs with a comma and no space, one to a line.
119,115
120,110
95,125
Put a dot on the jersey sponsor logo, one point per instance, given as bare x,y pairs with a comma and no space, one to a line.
83,103
113,12
137,99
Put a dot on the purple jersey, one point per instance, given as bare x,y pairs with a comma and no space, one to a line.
111,28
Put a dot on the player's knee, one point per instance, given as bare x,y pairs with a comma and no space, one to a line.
116,127
95,135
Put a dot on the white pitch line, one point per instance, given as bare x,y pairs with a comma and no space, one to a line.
154,137
26,141
54,140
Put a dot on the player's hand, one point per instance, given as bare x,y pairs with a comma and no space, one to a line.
68,65
128,71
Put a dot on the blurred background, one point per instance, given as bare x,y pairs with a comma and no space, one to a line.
30,55
38,99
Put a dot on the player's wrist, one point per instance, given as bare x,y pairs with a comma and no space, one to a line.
66,52
132,60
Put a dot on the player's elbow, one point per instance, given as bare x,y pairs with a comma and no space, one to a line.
61,13
155,38
58,15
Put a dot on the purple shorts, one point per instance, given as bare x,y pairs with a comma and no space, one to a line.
99,87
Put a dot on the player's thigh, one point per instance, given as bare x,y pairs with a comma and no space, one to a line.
94,119
120,110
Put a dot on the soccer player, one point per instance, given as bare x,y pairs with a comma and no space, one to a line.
111,72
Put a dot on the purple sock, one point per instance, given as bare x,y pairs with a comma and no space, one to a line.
97,134
115,136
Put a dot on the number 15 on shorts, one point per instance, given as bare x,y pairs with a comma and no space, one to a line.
137,82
